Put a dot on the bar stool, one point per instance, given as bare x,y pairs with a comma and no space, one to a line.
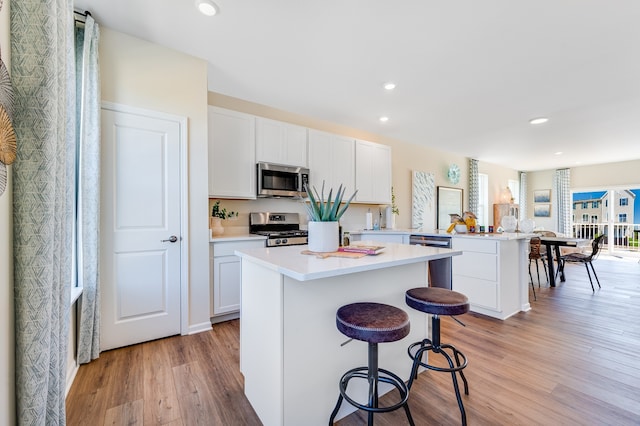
438,301
373,323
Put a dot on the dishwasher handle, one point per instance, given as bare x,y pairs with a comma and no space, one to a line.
430,241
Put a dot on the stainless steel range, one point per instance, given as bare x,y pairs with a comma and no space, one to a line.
281,229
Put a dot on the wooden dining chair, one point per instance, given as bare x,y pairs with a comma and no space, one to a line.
585,258
535,254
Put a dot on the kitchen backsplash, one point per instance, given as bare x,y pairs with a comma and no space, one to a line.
353,219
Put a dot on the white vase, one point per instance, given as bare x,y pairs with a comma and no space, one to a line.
215,223
323,236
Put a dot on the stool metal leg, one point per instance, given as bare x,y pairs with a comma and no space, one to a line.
373,379
372,374
435,346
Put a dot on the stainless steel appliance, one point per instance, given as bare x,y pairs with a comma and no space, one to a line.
281,229
439,270
275,180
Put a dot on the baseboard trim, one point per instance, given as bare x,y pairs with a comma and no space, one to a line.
199,328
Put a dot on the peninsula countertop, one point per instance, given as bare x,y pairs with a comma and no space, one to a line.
441,233
290,262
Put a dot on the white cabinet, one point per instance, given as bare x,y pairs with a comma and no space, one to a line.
373,172
489,273
232,159
281,143
225,277
331,159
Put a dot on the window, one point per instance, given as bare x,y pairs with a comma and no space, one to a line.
606,203
514,187
594,219
624,201
622,217
575,206
483,199
585,205
585,218
595,204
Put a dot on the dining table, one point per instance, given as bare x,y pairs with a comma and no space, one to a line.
553,244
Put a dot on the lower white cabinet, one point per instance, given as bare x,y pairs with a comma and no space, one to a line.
225,278
489,272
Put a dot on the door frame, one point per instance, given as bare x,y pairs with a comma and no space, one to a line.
184,206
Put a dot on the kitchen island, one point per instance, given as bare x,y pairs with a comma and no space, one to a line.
291,354
492,272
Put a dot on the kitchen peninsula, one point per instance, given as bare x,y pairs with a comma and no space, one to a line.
291,354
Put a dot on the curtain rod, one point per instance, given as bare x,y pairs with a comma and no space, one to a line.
83,15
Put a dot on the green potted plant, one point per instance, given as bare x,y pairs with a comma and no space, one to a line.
217,215
324,216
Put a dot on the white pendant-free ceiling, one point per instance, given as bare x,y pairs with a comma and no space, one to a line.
470,74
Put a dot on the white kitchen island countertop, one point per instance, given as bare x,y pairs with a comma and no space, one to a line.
290,262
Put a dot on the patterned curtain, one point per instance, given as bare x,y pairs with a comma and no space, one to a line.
474,185
562,183
42,73
523,195
88,187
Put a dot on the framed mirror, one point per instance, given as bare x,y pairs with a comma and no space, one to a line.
449,202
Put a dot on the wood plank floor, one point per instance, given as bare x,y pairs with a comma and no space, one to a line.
572,360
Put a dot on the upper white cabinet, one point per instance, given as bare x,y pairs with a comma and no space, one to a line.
232,157
373,172
331,159
281,143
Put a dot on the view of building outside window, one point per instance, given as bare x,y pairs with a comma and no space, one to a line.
591,216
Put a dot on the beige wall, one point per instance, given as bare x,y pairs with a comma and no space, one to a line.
406,158
622,175
144,75
7,341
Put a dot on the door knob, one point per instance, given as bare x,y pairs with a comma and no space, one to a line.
172,239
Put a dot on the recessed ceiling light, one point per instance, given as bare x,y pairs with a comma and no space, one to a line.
558,153
539,120
384,119
207,7
389,86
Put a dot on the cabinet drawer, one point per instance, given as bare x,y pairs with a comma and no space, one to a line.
480,292
477,265
227,248
478,245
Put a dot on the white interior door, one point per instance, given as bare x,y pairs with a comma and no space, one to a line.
140,229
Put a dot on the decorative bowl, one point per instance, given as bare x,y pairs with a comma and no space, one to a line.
461,229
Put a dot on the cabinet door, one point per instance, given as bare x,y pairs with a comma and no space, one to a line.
232,163
226,284
373,173
331,159
281,143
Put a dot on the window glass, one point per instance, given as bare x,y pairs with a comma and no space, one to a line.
483,200
622,217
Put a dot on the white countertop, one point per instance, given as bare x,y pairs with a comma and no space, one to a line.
441,233
236,237
290,262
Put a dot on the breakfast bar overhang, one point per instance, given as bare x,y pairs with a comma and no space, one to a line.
291,354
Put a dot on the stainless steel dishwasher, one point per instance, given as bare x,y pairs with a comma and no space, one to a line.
439,270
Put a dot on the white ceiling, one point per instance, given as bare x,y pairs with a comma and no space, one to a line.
469,73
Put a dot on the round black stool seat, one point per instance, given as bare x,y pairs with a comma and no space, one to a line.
373,323
438,301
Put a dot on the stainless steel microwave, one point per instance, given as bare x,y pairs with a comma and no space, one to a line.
275,180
